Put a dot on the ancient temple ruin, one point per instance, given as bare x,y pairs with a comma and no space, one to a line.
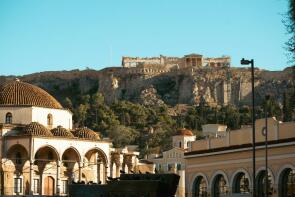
191,60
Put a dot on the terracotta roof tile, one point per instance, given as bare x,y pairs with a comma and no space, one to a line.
17,93
86,133
61,132
184,131
36,129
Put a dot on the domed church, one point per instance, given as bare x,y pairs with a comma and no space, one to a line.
40,151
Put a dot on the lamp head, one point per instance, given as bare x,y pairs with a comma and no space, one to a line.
245,62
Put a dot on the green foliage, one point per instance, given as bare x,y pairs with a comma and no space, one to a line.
81,114
245,115
68,103
122,135
290,25
228,115
131,114
273,108
101,117
288,105
151,127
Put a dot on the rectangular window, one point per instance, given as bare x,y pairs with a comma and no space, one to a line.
178,166
18,185
36,186
64,187
169,167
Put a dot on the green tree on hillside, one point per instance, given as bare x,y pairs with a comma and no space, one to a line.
290,25
122,135
81,114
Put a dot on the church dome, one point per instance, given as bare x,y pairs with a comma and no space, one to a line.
86,133
17,93
61,132
185,132
36,129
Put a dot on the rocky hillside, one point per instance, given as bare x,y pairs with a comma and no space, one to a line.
216,86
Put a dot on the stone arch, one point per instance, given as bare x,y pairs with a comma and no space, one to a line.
98,162
236,175
15,165
18,154
127,164
56,155
70,160
270,171
283,180
197,178
279,173
216,173
45,155
259,181
100,152
75,151
214,178
115,164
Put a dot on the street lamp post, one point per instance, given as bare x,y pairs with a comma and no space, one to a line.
266,143
247,62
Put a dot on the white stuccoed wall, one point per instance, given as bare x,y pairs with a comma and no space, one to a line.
26,115
20,115
61,117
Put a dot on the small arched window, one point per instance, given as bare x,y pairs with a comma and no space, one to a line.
219,186
200,187
287,182
179,144
241,184
8,118
49,120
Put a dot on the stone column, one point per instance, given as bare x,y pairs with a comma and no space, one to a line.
5,188
175,168
106,172
181,184
111,169
58,163
118,170
80,171
98,172
31,176
1,181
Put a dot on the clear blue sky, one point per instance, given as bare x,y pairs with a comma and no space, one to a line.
42,35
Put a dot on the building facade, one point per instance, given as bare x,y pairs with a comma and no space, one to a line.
172,161
222,165
41,152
